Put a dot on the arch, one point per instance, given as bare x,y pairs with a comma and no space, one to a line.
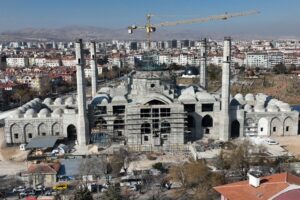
42,129
56,129
28,132
235,129
100,123
16,133
207,121
156,99
276,127
288,126
145,128
165,127
72,132
262,127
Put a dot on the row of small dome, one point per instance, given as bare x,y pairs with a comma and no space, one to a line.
284,107
250,98
104,99
189,94
35,104
59,101
31,112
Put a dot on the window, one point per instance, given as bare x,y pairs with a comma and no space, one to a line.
118,109
145,112
207,107
16,135
261,129
189,107
207,131
43,134
29,135
102,110
274,129
152,85
287,129
57,133
146,138
165,112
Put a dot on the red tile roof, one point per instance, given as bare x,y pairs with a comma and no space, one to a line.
269,186
289,195
44,168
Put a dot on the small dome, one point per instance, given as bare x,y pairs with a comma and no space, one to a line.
69,101
22,109
259,108
272,108
285,107
249,97
119,99
30,112
234,102
48,101
38,100
58,112
191,71
273,102
248,108
16,114
100,99
44,112
239,96
204,96
58,101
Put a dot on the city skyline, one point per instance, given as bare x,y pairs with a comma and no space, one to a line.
277,18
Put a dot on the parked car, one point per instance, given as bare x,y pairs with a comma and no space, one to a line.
60,186
271,142
19,189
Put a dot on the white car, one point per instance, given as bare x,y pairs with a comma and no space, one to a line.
271,142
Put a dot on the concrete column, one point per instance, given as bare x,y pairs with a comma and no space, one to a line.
203,70
225,121
82,125
93,68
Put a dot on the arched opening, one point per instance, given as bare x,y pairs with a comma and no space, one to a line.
235,129
207,123
16,133
263,128
55,129
276,127
42,130
288,126
101,124
29,130
155,102
72,133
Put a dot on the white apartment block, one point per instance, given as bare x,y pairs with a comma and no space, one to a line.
254,60
68,62
53,62
17,62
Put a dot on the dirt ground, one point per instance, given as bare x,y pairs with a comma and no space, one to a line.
283,87
11,158
290,143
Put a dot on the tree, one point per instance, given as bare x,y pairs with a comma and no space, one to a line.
279,69
112,193
83,194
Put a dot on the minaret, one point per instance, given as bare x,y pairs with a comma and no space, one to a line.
203,70
225,117
93,68
82,125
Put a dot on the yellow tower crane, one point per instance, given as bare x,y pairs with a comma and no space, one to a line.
150,28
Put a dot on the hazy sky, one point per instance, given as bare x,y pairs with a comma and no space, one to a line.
278,17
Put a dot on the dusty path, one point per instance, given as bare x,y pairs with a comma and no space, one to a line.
8,167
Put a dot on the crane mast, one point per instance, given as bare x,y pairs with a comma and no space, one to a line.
150,28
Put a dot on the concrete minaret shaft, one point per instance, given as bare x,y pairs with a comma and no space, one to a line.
225,116
203,70
93,68
82,125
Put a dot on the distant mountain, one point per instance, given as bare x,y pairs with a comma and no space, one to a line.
70,33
